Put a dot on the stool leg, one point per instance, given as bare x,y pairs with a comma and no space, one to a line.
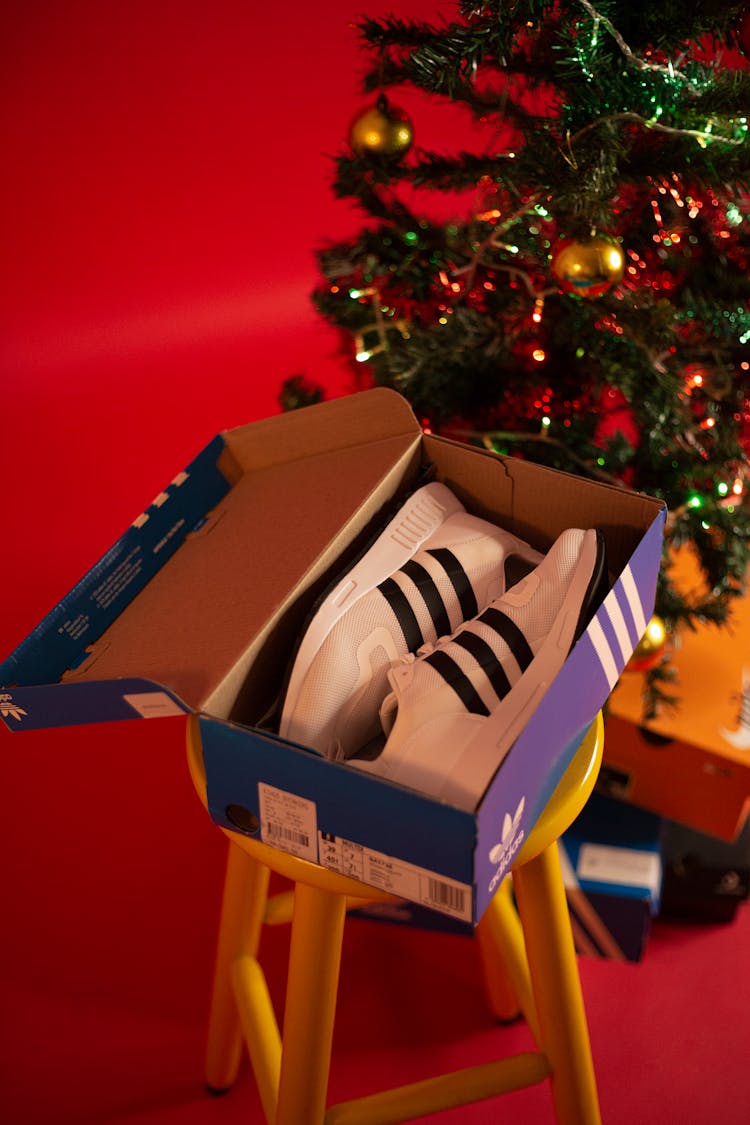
506,965
312,984
498,982
245,892
557,988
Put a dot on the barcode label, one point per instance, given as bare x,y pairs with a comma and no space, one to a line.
288,822
396,876
446,896
276,832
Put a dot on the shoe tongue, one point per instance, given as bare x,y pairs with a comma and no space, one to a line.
516,569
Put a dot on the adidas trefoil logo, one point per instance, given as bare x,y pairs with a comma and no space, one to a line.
510,824
9,709
510,841
741,737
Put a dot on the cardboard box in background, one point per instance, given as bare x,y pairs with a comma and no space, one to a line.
198,605
691,765
612,870
705,879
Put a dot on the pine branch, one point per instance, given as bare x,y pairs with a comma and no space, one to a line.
628,120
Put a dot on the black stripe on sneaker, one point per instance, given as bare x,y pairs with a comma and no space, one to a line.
425,583
506,628
486,659
459,580
597,589
446,666
399,603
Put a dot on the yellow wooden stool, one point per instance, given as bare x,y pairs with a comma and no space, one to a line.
527,954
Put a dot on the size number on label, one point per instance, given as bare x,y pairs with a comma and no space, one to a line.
405,880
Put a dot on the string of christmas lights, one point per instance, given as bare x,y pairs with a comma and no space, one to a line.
590,307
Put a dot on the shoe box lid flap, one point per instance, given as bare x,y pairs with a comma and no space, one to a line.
184,599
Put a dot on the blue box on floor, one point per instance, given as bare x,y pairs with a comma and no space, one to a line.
612,870
197,607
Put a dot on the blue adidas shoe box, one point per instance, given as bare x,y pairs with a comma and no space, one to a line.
613,870
612,867
195,609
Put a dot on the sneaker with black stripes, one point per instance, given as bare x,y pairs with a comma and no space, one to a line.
457,706
434,566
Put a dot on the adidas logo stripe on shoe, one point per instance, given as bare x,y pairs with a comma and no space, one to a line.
428,588
486,658
456,708
432,567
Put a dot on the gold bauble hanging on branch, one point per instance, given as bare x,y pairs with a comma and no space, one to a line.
382,130
650,648
587,268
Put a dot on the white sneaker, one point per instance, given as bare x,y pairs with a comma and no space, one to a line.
457,706
432,567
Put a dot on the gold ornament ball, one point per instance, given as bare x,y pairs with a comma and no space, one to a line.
649,649
381,129
587,268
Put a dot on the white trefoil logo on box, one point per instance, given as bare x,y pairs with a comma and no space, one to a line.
510,841
9,709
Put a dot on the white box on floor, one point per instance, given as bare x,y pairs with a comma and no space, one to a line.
197,606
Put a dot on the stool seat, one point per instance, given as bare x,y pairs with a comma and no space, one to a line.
527,954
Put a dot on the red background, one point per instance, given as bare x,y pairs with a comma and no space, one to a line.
165,182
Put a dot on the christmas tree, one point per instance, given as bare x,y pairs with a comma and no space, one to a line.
587,305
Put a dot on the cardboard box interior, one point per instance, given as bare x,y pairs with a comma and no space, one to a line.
218,622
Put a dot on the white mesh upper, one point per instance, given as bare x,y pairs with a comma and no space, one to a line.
336,708
433,742
534,618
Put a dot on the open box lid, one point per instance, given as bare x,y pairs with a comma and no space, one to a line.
187,596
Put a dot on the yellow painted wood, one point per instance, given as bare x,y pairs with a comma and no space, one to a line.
260,1029
528,958
447,1091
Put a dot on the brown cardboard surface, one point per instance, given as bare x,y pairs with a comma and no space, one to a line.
345,423
538,503
244,583
205,615
685,763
